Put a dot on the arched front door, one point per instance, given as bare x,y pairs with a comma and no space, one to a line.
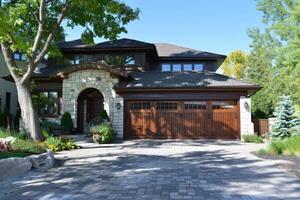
89,106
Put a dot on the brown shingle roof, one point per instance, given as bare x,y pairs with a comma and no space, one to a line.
182,80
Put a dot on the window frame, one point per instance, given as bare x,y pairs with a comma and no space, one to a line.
58,103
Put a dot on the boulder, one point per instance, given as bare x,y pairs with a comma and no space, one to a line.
42,162
14,167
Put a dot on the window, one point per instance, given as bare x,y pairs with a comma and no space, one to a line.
198,67
187,67
220,105
47,103
166,106
78,59
120,60
176,67
198,105
19,56
139,106
7,102
165,67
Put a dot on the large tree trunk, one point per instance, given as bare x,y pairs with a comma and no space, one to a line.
29,114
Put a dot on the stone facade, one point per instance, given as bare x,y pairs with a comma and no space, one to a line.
245,116
101,80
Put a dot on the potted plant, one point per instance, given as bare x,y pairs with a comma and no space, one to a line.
103,133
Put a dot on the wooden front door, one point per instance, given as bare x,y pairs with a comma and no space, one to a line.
182,119
89,106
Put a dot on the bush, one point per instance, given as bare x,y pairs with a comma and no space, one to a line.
103,133
249,138
288,146
28,146
47,128
66,122
60,143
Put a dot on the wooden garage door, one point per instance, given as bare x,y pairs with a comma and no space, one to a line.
182,119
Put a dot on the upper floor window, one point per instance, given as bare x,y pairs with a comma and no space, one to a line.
187,67
19,56
165,67
177,67
77,59
120,60
198,67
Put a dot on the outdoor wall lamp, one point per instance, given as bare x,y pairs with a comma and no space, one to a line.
118,105
247,106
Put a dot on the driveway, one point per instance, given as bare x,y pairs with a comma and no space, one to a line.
170,169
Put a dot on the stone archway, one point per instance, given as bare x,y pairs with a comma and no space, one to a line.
89,106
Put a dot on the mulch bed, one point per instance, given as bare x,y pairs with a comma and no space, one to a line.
294,167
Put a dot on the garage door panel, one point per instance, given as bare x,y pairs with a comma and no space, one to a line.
182,119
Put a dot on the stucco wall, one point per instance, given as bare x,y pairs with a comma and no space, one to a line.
245,116
98,79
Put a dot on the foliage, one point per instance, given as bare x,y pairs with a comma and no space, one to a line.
60,143
105,131
103,115
274,60
234,65
66,122
289,146
48,128
252,138
28,146
35,27
4,134
11,154
285,121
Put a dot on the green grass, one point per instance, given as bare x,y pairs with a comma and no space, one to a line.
4,134
288,146
14,154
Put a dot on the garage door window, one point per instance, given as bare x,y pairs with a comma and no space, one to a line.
166,106
139,106
220,105
198,105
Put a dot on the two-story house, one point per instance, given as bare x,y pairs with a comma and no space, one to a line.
148,90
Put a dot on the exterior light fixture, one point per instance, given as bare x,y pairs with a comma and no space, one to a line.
118,105
247,106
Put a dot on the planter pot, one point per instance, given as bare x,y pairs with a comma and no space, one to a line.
97,138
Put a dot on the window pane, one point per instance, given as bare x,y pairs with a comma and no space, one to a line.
196,105
166,106
165,67
77,60
17,56
177,67
187,67
216,105
129,60
47,103
198,67
23,57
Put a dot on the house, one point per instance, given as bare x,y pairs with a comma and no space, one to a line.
148,90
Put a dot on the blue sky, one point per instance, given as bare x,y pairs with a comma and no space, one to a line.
218,26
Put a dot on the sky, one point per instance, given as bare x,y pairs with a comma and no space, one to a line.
218,26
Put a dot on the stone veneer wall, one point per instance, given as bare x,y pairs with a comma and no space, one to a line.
245,116
98,79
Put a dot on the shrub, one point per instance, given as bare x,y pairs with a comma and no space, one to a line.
252,138
105,131
103,115
60,143
47,128
66,122
288,146
28,146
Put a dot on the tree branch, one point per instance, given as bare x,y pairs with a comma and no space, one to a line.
10,62
52,34
38,36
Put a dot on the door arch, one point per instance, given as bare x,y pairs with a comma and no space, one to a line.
89,106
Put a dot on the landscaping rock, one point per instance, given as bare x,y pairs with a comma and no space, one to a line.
42,162
14,167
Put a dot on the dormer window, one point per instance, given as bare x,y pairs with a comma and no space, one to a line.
120,60
187,67
77,59
177,67
19,56
198,67
165,67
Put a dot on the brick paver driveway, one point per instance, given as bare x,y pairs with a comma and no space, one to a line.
143,169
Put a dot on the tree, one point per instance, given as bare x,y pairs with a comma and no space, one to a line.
34,27
274,60
285,119
234,65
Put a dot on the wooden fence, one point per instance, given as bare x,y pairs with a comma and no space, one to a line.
261,126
